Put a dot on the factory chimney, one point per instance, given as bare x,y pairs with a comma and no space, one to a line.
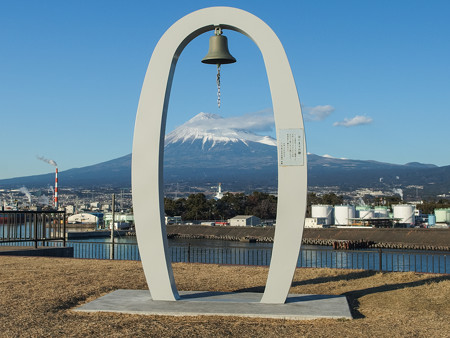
56,189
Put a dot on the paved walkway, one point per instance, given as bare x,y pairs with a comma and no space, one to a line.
243,304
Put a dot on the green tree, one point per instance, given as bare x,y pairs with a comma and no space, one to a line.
332,199
262,205
231,205
174,207
428,207
197,207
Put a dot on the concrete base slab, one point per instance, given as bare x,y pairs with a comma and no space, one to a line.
241,304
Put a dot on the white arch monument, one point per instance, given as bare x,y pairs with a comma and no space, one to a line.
148,150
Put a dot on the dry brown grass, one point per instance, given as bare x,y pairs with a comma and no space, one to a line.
36,295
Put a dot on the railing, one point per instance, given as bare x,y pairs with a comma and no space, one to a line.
101,250
378,260
32,226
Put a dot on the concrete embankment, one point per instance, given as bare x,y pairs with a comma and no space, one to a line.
39,251
94,234
416,239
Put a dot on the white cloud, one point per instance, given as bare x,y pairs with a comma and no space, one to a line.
260,121
257,121
354,121
317,113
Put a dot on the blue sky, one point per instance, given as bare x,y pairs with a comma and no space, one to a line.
373,77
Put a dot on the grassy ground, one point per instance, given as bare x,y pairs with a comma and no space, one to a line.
37,295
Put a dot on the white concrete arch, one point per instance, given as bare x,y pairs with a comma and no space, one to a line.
149,133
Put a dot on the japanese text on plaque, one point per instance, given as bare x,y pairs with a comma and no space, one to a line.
291,147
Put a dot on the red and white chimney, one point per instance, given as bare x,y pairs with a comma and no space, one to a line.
56,189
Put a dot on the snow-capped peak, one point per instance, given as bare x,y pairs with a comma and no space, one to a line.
213,128
204,116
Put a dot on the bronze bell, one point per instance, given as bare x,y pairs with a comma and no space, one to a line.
218,53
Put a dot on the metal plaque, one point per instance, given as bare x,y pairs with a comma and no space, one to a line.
291,146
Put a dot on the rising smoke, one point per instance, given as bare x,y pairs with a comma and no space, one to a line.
361,201
25,191
43,200
398,191
46,160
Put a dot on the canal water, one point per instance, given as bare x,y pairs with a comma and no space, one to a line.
243,253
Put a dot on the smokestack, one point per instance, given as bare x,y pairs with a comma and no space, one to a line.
53,163
56,188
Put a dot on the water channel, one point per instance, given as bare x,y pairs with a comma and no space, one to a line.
243,253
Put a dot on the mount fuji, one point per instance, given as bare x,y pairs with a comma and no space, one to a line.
210,129
209,149
204,148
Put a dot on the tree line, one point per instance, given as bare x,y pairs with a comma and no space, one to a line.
428,207
263,205
199,207
260,204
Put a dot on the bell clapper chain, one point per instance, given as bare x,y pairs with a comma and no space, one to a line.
218,54
218,31
218,85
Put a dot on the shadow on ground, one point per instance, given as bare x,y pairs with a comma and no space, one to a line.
354,296
318,280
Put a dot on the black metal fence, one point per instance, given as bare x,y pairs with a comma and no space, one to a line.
32,226
379,260
101,250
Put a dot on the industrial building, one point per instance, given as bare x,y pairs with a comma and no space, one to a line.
315,222
121,220
244,221
70,209
83,218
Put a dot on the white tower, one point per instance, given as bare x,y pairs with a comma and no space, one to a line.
219,194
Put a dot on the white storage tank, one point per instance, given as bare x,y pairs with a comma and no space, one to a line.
360,208
441,215
405,212
320,210
381,212
366,214
343,213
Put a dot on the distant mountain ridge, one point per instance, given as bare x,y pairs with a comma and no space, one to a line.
205,151
420,165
